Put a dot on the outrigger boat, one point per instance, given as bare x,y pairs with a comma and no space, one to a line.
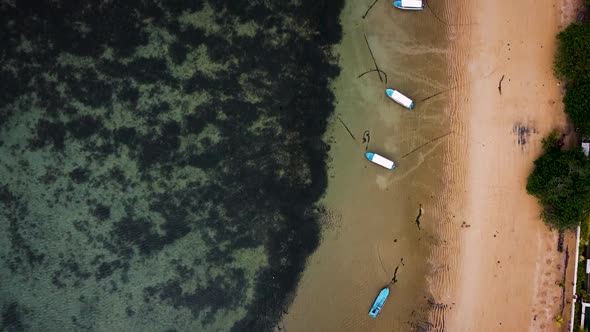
379,302
379,160
409,4
399,98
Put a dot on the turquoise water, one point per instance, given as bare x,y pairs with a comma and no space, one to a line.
160,162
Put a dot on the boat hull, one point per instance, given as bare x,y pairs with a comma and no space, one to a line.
379,302
380,160
398,4
399,98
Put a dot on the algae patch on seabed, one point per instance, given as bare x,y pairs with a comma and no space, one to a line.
160,161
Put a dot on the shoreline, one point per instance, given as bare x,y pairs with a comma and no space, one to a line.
508,245
371,235
444,258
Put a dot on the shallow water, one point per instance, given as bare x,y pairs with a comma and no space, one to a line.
387,228
160,162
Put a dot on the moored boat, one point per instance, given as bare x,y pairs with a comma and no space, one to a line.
409,4
379,302
379,160
399,98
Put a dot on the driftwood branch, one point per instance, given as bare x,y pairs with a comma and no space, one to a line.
425,144
436,16
394,279
367,139
372,70
458,86
438,93
367,12
418,217
373,57
443,21
345,126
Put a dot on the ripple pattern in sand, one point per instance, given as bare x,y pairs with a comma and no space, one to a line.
444,259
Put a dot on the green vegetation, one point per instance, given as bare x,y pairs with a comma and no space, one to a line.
580,289
577,107
561,178
558,320
561,182
572,61
581,277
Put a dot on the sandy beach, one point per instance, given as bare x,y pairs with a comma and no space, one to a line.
509,267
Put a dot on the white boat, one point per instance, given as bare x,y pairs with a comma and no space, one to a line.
399,98
379,160
409,4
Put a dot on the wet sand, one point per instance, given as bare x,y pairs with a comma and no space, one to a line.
371,229
509,266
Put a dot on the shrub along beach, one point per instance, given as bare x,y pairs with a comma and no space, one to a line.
561,181
561,177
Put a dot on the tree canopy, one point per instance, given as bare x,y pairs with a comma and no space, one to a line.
572,60
561,182
577,106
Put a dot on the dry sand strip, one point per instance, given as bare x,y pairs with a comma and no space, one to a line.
509,261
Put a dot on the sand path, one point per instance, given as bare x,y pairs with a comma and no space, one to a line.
509,263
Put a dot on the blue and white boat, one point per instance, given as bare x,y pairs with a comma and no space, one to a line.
399,98
379,160
379,302
409,4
